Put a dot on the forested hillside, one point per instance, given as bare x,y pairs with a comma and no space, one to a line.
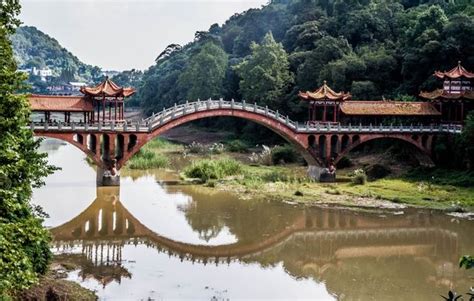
33,48
373,48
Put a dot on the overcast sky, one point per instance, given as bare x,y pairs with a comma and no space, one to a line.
126,34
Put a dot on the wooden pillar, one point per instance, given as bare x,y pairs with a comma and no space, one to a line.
85,117
126,140
110,111
65,117
45,116
103,109
334,114
112,138
324,113
328,148
339,144
462,111
115,109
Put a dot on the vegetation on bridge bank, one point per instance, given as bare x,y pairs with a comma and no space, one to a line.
268,177
24,243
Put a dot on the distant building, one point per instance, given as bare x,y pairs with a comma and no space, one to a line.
109,73
42,73
71,88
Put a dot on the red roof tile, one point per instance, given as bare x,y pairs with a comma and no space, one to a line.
389,108
108,88
324,93
60,103
456,72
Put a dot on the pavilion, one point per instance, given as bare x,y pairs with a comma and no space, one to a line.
327,106
456,98
96,105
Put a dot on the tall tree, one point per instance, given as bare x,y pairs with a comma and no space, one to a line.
265,75
24,250
203,78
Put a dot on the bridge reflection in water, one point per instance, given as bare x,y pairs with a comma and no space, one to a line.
323,244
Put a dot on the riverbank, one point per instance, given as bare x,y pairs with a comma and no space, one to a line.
434,188
54,286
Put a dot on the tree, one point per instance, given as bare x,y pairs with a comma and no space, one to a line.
203,77
468,138
24,243
265,75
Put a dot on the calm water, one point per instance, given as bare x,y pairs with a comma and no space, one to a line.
149,240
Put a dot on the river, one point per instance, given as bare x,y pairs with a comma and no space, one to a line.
148,240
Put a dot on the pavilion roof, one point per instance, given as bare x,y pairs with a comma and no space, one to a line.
442,94
107,88
324,93
389,108
54,103
456,72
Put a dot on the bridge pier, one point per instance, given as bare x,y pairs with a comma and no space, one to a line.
105,178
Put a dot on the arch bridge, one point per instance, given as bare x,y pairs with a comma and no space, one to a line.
318,143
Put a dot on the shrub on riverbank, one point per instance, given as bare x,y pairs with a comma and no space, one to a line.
24,243
213,169
359,177
237,146
147,159
284,154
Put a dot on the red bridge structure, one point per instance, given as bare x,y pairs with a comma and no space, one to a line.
336,124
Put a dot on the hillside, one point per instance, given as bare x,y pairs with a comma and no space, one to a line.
33,48
373,48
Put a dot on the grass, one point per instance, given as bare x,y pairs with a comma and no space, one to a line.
433,188
152,155
291,183
146,159
208,169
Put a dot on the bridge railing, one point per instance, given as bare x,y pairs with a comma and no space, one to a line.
177,111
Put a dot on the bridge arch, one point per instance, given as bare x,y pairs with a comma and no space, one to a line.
422,145
88,143
299,141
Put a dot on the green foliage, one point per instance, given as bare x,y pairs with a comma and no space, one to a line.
265,75
212,169
203,77
468,138
376,48
24,250
34,48
458,178
467,262
148,159
237,146
284,154
359,177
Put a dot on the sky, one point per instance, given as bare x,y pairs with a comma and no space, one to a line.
125,34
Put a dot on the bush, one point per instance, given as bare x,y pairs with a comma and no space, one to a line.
24,253
216,148
199,148
359,177
264,158
285,154
212,169
237,146
146,159
196,148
